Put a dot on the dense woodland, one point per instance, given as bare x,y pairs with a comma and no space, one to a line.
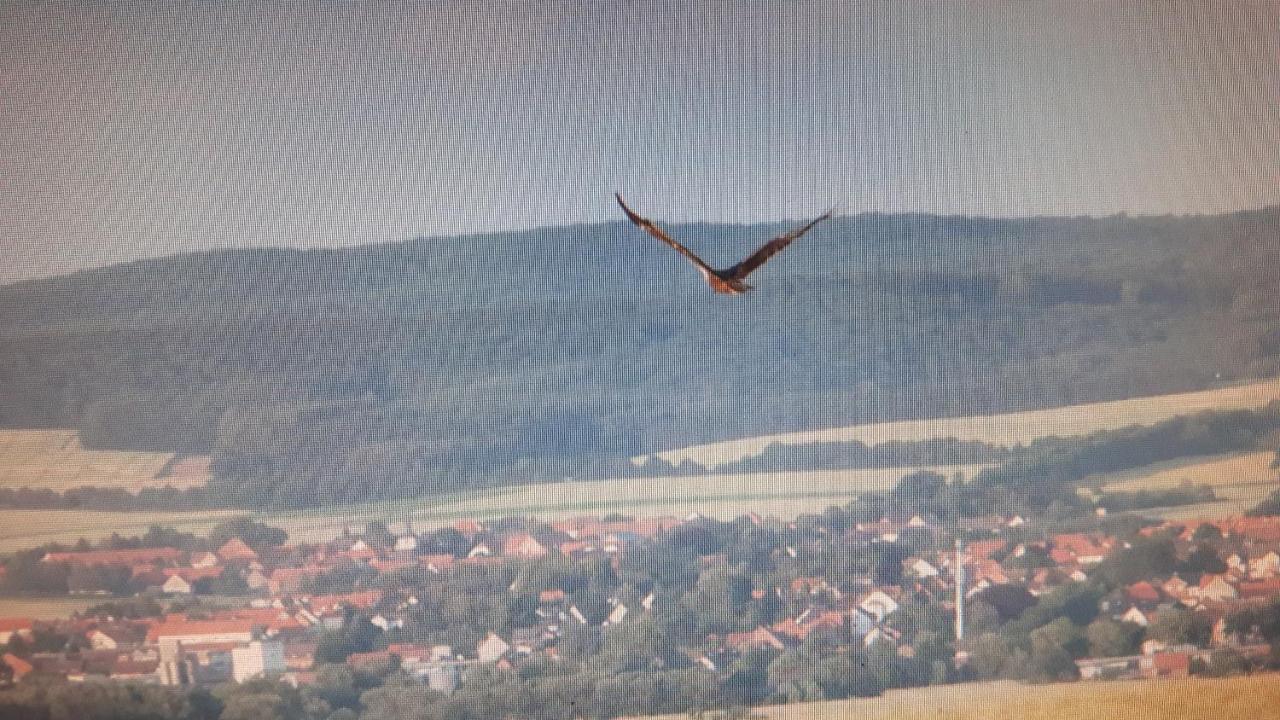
438,364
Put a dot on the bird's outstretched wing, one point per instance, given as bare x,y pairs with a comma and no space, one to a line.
657,232
769,249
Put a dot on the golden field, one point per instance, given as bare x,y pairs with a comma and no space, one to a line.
55,460
1243,698
1004,429
1239,480
48,608
721,496
21,529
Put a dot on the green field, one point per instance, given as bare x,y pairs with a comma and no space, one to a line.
1243,698
1005,429
55,460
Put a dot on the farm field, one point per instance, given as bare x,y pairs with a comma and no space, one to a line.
1003,429
47,608
55,460
20,529
721,496
1240,480
1240,698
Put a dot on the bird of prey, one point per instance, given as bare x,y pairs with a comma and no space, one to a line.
730,280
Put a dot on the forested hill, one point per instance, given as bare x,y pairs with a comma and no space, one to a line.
417,367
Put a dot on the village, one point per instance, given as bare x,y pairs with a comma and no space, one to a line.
276,624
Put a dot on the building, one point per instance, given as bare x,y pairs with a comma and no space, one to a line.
259,658
23,627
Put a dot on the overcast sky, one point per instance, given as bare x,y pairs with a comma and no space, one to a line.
133,129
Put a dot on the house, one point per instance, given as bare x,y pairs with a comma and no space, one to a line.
130,558
360,550
523,545
443,677
616,615
984,549
921,568
259,658
204,560
881,633
1258,589
115,636
1110,668
284,581
1135,616
1166,664
176,585
861,622
759,638
1079,547
878,604
22,627
255,580
492,648
18,668
528,640
1143,593
385,623
178,628
235,550
1175,587
1264,565
1216,588
551,597
469,528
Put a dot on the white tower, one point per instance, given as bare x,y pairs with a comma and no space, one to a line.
959,593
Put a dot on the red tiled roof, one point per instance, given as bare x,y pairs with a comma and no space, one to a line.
15,624
17,665
760,637
1259,588
189,573
983,549
363,600
1143,591
236,549
1171,662
172,626
114,557
368,657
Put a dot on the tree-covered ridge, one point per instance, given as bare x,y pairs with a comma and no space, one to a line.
410,368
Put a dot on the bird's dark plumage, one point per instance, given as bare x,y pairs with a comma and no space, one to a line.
729,281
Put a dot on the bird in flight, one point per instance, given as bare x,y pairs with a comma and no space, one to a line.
730,280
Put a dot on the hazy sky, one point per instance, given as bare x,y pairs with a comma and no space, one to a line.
132,129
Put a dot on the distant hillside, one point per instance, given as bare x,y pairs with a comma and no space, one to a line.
437,364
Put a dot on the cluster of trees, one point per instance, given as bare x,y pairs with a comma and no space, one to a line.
317,377
1142,499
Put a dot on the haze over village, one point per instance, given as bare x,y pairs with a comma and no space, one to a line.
930,366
